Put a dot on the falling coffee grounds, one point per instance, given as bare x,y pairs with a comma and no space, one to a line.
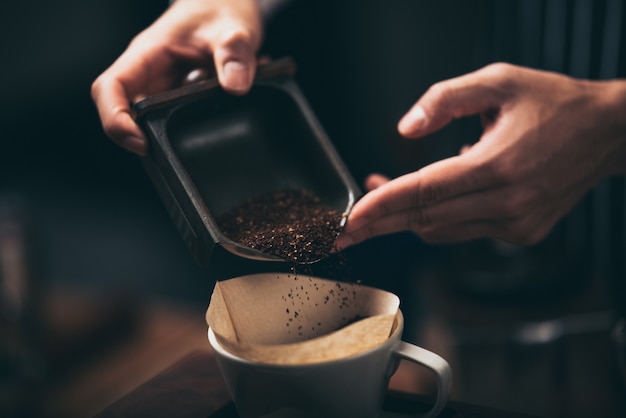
307,295
291,224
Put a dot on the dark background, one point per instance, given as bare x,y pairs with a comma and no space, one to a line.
95,215
94,209
92,218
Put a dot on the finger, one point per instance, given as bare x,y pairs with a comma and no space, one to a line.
502,204
235,62
374,181
451,233
438,182
466,95
352,235
113,107
445,234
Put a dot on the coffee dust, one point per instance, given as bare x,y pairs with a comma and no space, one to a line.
291,224
306,296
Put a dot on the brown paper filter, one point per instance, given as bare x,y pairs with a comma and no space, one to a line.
280,318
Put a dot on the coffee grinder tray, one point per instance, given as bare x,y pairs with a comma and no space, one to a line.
210,150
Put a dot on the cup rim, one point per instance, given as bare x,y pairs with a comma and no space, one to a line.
395,336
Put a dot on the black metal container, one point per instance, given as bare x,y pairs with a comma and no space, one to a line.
210,150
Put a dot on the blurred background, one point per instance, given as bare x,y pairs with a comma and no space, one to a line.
98,291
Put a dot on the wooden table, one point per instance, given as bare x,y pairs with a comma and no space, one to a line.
193,388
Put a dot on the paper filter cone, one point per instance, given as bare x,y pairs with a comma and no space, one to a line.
280,318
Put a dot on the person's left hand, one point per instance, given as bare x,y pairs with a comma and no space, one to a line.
547,140
216,36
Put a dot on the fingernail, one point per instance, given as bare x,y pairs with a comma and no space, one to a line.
236,77
343,241
412,121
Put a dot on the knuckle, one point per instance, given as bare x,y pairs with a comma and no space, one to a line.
113,127
443,93
439,89
419,219
237,39
502,74
383,208
427,192
499,70
95,88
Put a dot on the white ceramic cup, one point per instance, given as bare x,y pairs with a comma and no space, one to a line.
353,386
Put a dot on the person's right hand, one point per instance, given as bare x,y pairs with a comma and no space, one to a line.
547,140
219,36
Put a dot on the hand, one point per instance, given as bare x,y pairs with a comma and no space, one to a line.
547,140
220,36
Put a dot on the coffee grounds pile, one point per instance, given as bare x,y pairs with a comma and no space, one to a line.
291,224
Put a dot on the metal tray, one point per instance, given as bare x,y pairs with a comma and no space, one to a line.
209,151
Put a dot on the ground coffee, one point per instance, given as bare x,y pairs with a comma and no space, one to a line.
291,224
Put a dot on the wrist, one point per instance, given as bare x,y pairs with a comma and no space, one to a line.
613,94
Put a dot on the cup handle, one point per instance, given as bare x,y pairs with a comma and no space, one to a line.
433,362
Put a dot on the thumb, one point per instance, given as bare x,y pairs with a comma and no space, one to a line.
235,62
466,95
